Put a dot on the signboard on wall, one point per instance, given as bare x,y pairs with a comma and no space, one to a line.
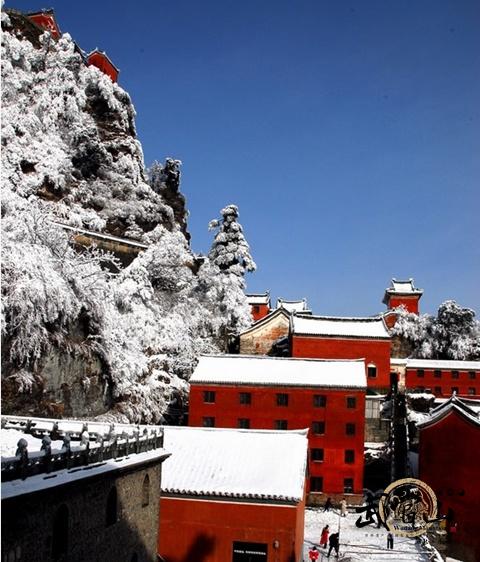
249,552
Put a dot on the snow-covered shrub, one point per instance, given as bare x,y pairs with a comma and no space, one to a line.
453,334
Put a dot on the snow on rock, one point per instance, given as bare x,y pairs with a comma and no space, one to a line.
70,155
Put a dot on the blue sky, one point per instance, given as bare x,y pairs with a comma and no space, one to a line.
347,132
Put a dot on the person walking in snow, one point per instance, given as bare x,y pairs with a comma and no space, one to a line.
324,536
328,505
343,507
390,541
334,543
313,553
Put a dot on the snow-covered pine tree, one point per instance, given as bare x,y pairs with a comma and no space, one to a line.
224,272
230,251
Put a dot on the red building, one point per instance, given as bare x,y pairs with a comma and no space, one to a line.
259,304
233,495
403,293
443,378
46,20
330,337
449,462
261,392
100,60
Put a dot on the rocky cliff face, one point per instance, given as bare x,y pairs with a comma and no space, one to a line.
69,135
77,339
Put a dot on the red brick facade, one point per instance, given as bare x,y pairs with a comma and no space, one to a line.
449,461
411,303
259,311
375,352
336,423
444,382
196,529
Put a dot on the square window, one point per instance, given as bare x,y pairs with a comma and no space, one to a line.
437,390
256,308
472,375
243,423
348,485
349,456
318,427
281,424
209,396
455,374
316,484
372,371
208,422
350,429
245,398
351,402
316,455
319,401
282,399
437,374
420,373
455,389
472,391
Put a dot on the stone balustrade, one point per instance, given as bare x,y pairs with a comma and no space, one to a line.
80,448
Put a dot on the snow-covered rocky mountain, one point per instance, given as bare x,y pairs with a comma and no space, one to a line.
79,340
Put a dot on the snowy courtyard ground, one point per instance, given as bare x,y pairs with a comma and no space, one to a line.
367,543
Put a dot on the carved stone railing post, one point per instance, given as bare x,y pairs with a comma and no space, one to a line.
68,450
22,452
47,448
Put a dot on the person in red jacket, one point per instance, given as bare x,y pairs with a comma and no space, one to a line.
313,553
324,536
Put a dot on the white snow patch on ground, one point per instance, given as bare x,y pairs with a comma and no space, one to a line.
357,544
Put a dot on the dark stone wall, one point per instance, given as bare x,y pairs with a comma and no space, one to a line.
28,521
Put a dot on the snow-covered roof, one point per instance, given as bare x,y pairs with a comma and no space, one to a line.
263,298
279,371
331,326
453,404
398,361
235,463
446,365
404,288
293,306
